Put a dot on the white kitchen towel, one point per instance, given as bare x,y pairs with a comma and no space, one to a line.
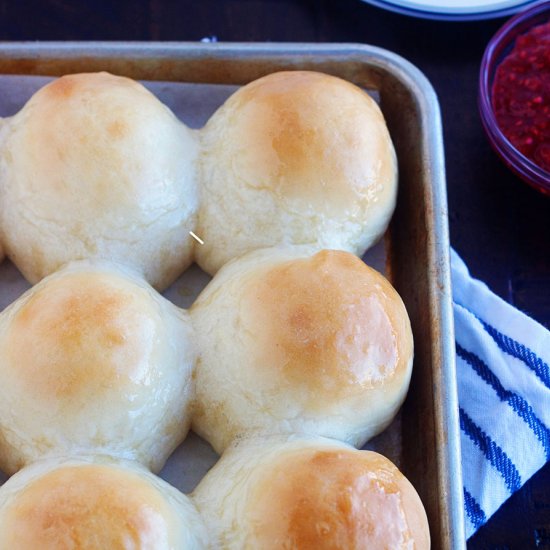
503,372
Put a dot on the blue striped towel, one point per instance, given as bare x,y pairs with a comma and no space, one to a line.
502,361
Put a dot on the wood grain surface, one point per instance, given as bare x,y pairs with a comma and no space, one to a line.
499,225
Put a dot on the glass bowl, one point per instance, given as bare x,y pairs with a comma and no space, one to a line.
499,48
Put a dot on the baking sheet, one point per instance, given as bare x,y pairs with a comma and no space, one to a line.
193,104
419,254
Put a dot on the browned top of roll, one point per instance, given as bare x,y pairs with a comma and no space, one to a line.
328,323
311,137
337,499
87,507
79,335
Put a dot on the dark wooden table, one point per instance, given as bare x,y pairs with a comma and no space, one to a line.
500,226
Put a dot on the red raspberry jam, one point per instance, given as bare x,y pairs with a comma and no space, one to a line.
521,95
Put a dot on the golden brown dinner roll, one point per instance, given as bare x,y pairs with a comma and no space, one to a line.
294,157
94,166
96,504
315,493
93,359
295,341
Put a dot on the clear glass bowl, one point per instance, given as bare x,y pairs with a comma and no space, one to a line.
498,48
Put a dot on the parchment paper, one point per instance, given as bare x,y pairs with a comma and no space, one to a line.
193,104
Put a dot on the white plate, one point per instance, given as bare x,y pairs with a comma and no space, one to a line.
459,10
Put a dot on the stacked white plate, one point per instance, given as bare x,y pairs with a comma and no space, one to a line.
459,10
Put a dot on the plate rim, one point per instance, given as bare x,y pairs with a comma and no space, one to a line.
452,15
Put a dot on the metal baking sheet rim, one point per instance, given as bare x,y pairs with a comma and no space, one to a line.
51,58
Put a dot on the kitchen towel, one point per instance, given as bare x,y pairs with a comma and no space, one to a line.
503,374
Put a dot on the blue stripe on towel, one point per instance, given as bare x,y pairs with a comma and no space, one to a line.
494,454
515,349
473,510
516,402
521,352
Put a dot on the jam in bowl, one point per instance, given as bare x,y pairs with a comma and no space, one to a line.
514,95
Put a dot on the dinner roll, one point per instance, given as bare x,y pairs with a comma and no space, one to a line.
95,504
305,494
95,166
93,359
295,341
294,157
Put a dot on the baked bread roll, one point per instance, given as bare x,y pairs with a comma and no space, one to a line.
95,166
92,359
293,341
294,158
305,494
95,504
